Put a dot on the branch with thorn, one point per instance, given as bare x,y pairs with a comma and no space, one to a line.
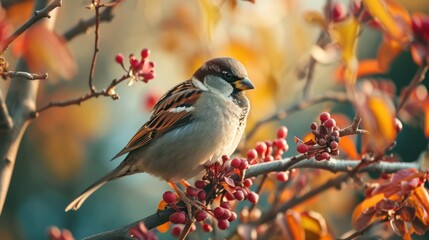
25,75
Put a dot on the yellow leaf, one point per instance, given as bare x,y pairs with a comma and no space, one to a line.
316,18
379,10
315,226
211,15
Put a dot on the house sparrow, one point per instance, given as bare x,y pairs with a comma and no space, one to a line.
192,126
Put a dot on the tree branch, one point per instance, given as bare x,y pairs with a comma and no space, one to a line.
419,76
25,75
96,43
300,105
332,165
6,121
38,14
82,26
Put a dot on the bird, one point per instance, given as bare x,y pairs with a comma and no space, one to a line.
192,126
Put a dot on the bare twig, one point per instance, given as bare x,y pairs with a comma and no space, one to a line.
332,165
419,76
25,75
96,43
108,92
82,26
38,14
361,232
6,121
353,128
300,105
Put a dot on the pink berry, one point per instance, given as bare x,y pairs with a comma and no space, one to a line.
176,230
178,217
253,197
247,182
280,143
200,184
233,217
282,176
239,195
261,148
339,12
302,148
324,116
236,162
202,195
119,58
145,53
218,212
226,215
313,126
318,157
333,145
330,123
252,154
225,205
282,132
223,224
398,125
225,158
169,197
269,158
191,191
207,227
201,216
325,156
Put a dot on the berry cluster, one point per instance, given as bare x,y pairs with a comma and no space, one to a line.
139,70
327,138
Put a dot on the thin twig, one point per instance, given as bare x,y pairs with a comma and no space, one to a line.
6,121
108,92
300,105
96,43
353,128
26,75
83,25
38,14
419,76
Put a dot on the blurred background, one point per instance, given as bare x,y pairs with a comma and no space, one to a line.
65,150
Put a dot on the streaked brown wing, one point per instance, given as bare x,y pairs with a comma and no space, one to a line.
163,120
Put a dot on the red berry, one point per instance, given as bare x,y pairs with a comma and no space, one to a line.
253,197
119,58
226,215
282,176
325,156
280,144
191,191
318,157
324,116
223,224
218,212
134,62
145,53
225,205
178,217
201,216
336,133
229,196
302,148
243,165
282,132
207,227
236,162
330,123
200,184
225,158
252,154
261,148
333,145
169,197
247,182
202,195
239,195
176,230
233,217
269,158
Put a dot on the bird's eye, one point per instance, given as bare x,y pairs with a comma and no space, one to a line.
228,75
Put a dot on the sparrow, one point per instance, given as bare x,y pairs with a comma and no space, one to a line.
192,126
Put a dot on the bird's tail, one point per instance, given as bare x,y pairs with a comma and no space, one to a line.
120,171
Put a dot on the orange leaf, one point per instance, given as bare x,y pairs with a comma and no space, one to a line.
314,225
426,112
368,67
348,146
164,227
44,50
387,52
293,221
422,196
366,204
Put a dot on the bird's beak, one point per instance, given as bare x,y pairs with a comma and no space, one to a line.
243,84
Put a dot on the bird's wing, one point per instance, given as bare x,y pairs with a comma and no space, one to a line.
175,109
